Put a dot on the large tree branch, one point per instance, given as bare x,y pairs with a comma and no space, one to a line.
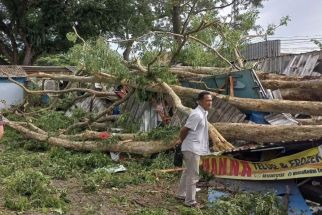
201,42
134,147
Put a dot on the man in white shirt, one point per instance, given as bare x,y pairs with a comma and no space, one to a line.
195,142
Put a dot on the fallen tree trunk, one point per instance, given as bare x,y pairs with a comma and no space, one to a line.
250,133
271,76
186,71
134,147
263,105
94,135
255,133
311,121
297,94
278,84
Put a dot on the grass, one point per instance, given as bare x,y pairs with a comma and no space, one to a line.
27,169
26,189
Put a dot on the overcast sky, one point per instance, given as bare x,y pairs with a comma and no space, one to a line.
306,22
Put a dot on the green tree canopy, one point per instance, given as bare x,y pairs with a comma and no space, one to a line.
29,28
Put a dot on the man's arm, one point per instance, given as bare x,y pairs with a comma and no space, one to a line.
183,134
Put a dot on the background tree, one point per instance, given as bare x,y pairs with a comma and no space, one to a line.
30,28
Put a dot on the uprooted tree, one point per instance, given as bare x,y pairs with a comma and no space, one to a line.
197,34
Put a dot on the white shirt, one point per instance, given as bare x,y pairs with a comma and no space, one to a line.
197,140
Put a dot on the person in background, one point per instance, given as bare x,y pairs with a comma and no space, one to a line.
120,91
194,142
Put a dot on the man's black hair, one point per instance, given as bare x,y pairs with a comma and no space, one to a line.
202,95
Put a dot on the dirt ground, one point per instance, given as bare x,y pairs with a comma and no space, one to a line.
129,200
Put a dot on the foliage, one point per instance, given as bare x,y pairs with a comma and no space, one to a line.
272,27
249,203
53,60
196,55
53,121
166,134
139,171
40,27
95,56
317,42
156,211
129,127
31,189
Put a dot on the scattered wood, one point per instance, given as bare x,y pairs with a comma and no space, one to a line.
172,170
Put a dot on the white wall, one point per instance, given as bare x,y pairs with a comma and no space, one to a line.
10,94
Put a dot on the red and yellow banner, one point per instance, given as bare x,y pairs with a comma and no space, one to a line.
307,163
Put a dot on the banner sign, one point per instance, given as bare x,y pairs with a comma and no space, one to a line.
304,164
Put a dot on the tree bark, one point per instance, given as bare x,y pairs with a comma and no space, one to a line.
201,70
127,51
263,105
311,121
278,84
272,76
255,133
134,147
28,54
250,133
296,94
176,21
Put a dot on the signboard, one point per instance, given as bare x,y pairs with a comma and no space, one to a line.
304,164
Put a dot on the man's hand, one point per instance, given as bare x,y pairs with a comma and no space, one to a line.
178,142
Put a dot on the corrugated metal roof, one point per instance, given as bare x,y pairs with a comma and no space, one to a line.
49,69
13,71
303,64
271,48
281,119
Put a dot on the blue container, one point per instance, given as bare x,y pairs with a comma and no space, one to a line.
257,117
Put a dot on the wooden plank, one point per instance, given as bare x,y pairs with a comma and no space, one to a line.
311,65
224,111
239,117
133,111
287,70
140,111
218,113
230,114
128,104
211,112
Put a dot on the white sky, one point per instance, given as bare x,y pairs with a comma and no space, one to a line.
306,22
